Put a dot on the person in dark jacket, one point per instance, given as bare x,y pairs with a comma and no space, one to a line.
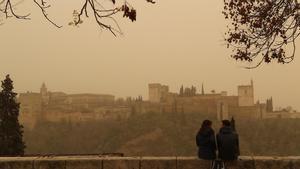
206,142
228,142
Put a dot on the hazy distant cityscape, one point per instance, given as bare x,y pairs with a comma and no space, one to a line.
59,106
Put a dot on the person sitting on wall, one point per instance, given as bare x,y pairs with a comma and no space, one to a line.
206,141
228,142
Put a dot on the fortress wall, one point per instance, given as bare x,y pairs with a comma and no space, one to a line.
197,104
250,112
94,162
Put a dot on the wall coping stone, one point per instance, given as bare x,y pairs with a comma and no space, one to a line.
58,158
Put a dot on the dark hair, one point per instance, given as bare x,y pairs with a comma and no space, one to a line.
205,124
226,123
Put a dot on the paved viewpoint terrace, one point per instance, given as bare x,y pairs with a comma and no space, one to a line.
97,162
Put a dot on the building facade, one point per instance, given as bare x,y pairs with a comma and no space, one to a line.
220,104
58,106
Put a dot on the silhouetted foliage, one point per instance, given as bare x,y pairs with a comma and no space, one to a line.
181,91
95,7
11,132
262,30
187,92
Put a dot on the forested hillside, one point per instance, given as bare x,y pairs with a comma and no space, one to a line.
158,134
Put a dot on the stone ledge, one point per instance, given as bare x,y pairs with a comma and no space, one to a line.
97,162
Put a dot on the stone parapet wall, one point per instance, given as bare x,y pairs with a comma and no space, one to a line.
95,162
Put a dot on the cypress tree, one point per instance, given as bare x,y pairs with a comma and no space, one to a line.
181,91
11,132
232,123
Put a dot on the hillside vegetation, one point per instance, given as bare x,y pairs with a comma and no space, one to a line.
156,134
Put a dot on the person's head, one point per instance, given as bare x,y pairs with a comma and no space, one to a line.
206,124
226,123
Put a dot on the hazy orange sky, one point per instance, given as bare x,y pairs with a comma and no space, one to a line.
172,42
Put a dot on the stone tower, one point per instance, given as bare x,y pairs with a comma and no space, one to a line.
157,92
222,111
44,94
246,95
43,89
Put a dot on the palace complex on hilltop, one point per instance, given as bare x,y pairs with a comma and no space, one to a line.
59,106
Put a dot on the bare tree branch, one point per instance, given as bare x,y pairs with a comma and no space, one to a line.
42,5
8,9
100,15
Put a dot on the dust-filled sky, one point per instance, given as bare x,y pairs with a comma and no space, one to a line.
172,42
